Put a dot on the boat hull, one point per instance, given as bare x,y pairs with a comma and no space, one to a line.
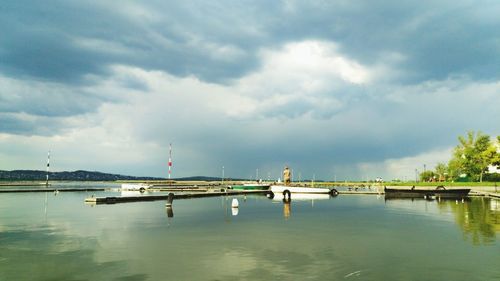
426,193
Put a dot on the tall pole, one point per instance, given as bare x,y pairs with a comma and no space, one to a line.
170,161
222,174
48,165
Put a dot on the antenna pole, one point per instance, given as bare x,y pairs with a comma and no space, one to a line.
48,165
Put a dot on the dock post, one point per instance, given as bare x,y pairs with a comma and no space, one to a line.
170,199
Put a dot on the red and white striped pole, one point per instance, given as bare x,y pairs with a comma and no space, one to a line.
170,162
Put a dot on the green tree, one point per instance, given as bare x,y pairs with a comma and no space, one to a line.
496,156
427,176
441,171
455,168
472,155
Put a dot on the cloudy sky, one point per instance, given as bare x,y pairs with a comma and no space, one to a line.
334,89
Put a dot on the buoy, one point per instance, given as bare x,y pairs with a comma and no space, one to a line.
235,203
287,194
270,195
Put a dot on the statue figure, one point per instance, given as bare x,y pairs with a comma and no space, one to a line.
287,175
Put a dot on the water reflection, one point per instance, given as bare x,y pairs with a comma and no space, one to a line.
170,211
287,208
478,218
44,253
298,197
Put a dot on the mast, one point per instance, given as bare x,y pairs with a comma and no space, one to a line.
170,162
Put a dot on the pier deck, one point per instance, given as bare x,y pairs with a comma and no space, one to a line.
126,199
51,189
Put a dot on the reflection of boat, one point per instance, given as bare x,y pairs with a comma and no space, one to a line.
465,199
280,189
439,192
251,186
136,186
304,196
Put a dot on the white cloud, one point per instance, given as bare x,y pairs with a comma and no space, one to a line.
404,168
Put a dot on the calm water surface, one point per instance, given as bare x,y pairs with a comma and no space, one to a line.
352,237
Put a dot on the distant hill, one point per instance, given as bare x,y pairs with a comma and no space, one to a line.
20,175
198,178
36,175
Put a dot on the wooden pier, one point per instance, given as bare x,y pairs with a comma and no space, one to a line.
141,198
51,189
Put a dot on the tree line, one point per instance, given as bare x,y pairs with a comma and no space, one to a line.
470,160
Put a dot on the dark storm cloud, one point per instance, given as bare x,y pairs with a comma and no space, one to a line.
183,38
42,40
438,39
30,126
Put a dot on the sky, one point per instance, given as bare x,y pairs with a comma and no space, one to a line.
339,90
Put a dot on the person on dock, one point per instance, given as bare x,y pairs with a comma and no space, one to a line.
287,175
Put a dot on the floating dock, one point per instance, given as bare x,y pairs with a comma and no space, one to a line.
485,193
141,198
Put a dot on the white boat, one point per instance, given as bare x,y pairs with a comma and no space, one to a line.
136,186
279,189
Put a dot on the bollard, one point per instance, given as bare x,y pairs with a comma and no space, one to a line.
170,199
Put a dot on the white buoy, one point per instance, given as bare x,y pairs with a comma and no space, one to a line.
235,203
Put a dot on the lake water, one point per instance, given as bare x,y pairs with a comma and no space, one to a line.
350,237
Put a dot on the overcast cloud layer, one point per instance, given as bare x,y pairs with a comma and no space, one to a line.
335,89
